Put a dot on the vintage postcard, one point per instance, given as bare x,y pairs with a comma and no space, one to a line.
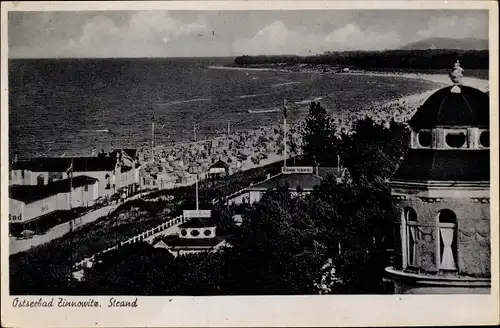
245,163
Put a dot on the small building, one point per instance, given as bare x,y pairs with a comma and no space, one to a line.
115,171
441,197
298,183
218,170
194,236
31,202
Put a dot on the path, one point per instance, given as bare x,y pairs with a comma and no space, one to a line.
21,245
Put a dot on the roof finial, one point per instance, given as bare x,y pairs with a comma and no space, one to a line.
457,73
456,77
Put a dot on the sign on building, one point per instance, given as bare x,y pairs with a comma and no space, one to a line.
296,169
194,169
197,213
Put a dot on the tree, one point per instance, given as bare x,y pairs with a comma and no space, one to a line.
223,215
374,151
319,139
274,251
351,219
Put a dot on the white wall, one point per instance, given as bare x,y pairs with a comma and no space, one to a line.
239,198
16,211
40,207
99,175
85,198
255,196
30,178
61,201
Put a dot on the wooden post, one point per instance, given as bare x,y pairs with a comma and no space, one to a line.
284,136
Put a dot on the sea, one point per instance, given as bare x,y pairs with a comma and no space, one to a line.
71,106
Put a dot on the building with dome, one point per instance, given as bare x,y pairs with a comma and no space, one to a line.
441,196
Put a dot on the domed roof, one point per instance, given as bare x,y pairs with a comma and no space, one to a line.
453,106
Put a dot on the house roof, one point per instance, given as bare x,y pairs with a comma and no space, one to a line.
325,171
468,107
127,152
219,165
61,164
30,193
177,242
198,223
305,181
444,165
131,152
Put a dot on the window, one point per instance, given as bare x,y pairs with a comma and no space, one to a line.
208,232
447,221
425,138
183,232
455,140
40,180
412,237
195,233
484,139
86,188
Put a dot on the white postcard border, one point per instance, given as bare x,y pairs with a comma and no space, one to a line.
262,310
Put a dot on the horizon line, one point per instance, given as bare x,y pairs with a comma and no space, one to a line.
234,56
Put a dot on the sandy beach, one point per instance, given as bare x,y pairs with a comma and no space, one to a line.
245,150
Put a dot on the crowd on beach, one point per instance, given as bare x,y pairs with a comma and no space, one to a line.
176,165
242,150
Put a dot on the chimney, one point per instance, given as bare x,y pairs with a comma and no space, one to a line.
268,176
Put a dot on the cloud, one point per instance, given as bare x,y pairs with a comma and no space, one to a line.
277,38
456,27
351,37
142,34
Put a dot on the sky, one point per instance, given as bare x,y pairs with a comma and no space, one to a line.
183,33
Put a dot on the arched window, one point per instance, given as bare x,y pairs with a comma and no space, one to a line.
447,221
40,180
412,236
108,181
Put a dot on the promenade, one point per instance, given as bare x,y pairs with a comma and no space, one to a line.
21,245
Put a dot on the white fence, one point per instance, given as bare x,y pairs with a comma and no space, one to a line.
87,262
